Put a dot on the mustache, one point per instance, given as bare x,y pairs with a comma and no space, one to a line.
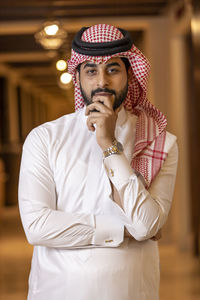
99,90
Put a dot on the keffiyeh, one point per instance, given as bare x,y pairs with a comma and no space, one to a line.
100,43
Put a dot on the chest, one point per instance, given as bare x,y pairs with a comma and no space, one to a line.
80,178
81,182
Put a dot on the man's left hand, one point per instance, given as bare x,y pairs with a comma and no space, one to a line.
158,236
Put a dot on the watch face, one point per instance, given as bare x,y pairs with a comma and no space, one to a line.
119,146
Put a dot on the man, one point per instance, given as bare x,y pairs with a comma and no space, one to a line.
96,186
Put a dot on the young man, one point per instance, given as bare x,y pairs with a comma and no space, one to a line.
96,186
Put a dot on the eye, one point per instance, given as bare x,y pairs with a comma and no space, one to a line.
91,72
113,70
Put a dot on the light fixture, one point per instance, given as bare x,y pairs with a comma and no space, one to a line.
65,78
51,29
61,65
51,36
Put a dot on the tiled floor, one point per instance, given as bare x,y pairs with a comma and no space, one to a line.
180,272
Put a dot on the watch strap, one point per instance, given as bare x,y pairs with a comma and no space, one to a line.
116,148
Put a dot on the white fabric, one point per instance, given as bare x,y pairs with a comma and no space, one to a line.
68,213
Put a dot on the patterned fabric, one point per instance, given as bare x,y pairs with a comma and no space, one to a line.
148,154
101,33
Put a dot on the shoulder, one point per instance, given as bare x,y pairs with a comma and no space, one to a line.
60,123
171,146
170,141
52,130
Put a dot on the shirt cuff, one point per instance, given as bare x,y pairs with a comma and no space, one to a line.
109,231
118,169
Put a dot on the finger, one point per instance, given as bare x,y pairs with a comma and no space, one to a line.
107,100
95,118
100,107
157,237
96,114
154,238
159,234
90,125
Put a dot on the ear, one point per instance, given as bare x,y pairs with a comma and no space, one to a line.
78,77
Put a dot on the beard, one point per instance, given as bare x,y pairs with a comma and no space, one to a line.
119,99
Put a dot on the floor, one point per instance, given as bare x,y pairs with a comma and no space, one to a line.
180,272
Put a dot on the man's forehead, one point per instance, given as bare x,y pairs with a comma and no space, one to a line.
109,61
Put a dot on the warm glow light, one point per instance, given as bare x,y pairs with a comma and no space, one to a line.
65,78
51,35
51,29
61,65
195,24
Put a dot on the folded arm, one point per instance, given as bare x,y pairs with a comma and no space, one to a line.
145,211
43,223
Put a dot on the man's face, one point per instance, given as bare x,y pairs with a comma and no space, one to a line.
103,80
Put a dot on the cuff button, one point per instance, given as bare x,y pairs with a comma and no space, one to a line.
108,241
111,172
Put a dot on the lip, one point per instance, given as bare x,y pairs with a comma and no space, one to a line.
103,94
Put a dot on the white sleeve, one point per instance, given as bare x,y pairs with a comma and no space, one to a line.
145,211
43,223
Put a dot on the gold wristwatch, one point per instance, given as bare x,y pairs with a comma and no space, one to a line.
116,148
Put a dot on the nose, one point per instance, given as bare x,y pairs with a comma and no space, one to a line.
102,80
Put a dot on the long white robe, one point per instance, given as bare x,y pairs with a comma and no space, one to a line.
68,213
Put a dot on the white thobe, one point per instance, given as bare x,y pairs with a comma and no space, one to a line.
76,227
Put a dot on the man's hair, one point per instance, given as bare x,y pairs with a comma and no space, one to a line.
126,63
124,59
78,68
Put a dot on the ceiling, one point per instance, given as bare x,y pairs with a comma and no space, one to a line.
12,10
20,19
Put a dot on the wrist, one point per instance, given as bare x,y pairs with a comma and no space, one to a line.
115,148
106,144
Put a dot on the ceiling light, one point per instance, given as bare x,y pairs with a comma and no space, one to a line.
66,78
51,36
51,29
61,65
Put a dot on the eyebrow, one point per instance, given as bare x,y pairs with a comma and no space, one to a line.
92,65
113,64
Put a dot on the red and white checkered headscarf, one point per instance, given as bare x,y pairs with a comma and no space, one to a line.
148,154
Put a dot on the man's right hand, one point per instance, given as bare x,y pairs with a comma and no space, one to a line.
105,119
